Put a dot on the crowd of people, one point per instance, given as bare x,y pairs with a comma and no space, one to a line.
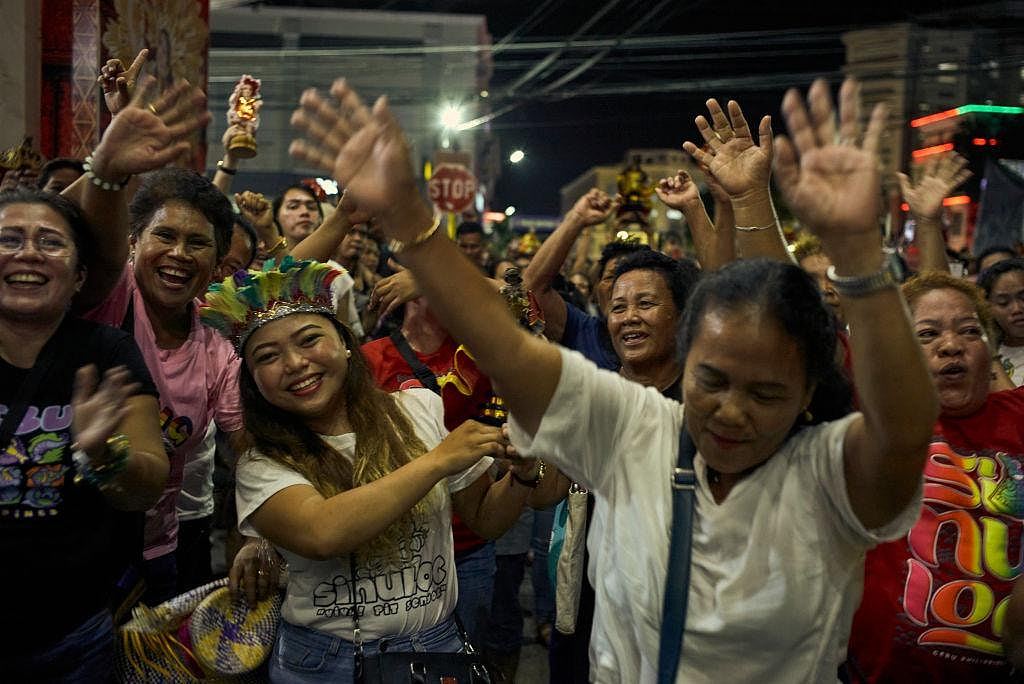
410,419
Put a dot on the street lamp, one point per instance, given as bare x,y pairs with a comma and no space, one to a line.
509,210
451,116
516,156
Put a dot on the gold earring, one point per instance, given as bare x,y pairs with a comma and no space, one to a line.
348,353
808,416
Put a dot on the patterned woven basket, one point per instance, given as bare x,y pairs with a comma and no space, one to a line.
230,637
204,635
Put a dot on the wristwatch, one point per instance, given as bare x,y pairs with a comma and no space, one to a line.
861,286
532,484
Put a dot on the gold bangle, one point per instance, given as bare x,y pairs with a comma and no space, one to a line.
397,245
283,242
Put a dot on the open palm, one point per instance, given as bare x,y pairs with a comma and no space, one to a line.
730,154
829,180
364,150
146,137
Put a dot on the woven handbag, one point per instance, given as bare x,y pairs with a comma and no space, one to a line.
202,635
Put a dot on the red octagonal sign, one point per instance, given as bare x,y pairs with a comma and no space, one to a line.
452,187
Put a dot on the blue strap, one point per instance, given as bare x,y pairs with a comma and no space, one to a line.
677,580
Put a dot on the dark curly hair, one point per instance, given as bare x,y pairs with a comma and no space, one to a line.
680,275
616,249
171,184
791,297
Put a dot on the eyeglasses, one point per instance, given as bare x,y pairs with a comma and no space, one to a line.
50,244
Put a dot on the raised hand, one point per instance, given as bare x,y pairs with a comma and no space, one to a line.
256,208
146,137
366,152
99,406
118,83
938,180
679,191
830,180
594,207
739,164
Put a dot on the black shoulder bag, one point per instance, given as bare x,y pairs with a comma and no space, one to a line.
419,369
414,667
677,580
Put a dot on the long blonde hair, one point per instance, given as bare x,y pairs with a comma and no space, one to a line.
385,441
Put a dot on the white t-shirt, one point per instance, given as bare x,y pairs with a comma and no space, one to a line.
776,568
341,286
392,600
1013,360
195,500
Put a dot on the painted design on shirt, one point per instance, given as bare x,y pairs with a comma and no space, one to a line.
34,466
382,589
176,429
965,552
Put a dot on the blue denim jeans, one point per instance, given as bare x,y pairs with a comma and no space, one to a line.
85,655
475,569
302,654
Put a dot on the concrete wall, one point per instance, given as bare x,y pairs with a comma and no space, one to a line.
20,71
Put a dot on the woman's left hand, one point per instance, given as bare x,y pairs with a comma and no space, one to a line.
144,137
255,571
99,406
828,176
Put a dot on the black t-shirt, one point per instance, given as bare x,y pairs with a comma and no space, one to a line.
57,542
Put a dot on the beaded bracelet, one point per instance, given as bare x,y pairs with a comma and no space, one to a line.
99,182
117,446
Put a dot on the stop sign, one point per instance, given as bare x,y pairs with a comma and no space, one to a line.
452,187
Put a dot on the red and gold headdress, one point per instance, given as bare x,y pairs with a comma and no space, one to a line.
242,303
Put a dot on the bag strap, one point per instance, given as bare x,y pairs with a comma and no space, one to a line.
419,369
677,580
26,392
358,674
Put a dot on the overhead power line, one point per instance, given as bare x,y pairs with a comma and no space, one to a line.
555,54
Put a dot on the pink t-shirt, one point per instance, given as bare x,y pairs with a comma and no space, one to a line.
198,382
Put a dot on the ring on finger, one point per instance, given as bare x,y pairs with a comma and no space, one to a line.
153,109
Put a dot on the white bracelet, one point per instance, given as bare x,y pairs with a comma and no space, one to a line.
753,229
99,182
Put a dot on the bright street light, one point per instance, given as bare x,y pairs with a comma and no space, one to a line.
516,156
451,116
509,210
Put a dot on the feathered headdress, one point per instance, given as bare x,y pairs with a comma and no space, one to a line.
247,300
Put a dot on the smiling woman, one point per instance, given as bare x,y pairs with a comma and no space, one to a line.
353,485
79,440
180,226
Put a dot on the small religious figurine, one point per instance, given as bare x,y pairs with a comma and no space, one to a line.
244,116
635,208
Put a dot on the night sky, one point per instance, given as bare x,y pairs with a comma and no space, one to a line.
590,120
